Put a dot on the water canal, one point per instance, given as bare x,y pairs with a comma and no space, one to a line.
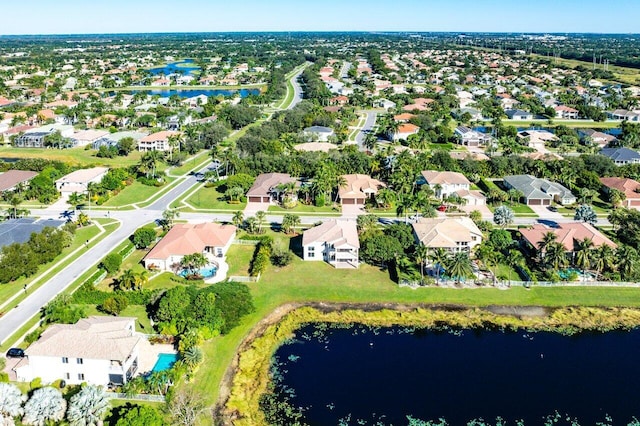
379,376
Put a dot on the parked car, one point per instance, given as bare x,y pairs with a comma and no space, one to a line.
15,353
552,208
442,208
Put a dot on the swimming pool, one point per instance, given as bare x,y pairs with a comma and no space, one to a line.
165,362
206,272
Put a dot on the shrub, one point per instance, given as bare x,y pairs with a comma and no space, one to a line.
111,263
33,336
114,305
143,237
4,377
260,259
319,201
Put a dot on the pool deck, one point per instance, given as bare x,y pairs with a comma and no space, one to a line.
221,273
148,355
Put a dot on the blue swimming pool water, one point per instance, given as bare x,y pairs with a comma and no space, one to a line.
165,362
206,272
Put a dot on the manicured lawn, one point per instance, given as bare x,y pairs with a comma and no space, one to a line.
211,199
143,325
306,208
441,146
238,257
192,163
135,193
77,156
519,209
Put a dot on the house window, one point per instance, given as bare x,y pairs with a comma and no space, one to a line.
311,252
67,376
65,360
79,361
81,376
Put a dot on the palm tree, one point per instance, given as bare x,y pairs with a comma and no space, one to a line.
547,239
489,257
459,266
15,201
193,262
627,261
338,182
251,224
586,195
583,251
11,399
556,256
616,197
168,216
149,162
75,199
142,279
159,381
438,257
421,255
514,258
45,405
238,218
127,280
290,222
603,259
88,407
260,216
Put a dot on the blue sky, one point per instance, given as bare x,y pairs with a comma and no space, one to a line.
113,16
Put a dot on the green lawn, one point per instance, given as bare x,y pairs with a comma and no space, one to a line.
317,281
211,199
306,208
191,163
238,257
135,193
8,290
78,156
143,324
519,209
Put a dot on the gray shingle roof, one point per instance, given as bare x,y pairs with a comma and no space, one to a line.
20,230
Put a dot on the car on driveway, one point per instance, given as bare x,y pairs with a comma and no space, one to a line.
552,208
15,353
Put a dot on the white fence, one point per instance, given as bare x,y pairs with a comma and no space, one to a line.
137,397
244,279
247,242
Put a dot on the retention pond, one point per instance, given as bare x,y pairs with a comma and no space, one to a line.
380,376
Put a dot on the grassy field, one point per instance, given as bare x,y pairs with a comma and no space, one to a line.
143,325
77,156
239,256
317,281
519,209
134,193
211,199
623,74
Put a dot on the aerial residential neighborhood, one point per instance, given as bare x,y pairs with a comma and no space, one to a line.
191,221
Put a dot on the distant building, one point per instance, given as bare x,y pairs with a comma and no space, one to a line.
468,137
10,179
452,234
265,188
158,141
567,234
358,188
629,187
517,114
318,133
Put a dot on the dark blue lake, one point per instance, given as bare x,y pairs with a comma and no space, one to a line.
380,376
190,93
174,68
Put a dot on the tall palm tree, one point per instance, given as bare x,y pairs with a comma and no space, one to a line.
514,258
421,255
459,266
547,239
238,218
583,250
603,259
75,199
439,257
627,261
127,280
260,216
142,279
556,256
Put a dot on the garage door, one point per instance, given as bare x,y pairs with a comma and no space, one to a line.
348,201
546,202
634,203
534,202
255,199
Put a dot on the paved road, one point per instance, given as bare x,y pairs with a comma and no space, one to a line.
344,71
369,123
297,88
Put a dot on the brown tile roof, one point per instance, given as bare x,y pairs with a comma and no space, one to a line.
359,186
11,178
445,232
185,238
624,185
567,234
266,181
159,136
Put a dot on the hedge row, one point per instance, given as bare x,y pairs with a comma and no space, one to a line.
88,294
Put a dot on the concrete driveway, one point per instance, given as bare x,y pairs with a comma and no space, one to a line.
544,213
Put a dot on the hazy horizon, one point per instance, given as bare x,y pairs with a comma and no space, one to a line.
74,17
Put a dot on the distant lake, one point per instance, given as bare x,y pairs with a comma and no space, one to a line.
174,68
380,376
190,93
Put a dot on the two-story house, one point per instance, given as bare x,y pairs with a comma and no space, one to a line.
334,241
98,350
452,234
445,184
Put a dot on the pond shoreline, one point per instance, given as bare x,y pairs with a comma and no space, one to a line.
247,377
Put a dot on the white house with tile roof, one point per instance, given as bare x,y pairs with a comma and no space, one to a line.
334,241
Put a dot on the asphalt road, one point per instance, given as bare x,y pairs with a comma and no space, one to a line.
369,123
297,89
